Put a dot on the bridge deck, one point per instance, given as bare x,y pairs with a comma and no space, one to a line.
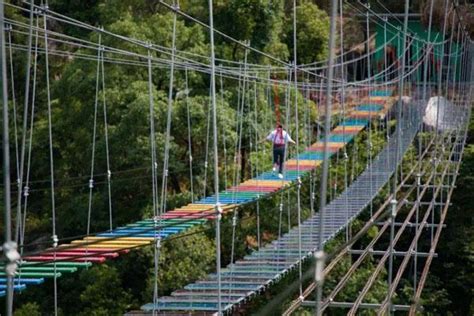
267,265
108,245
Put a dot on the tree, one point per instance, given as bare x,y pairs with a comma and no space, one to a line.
312,32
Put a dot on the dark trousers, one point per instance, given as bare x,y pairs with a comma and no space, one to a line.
278,156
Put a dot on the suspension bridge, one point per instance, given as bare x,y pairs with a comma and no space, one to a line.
429,76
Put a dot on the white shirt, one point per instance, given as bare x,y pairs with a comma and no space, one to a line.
276,138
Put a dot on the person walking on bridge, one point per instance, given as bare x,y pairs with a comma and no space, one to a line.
279,137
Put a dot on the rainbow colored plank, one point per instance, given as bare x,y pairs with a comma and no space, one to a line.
83,252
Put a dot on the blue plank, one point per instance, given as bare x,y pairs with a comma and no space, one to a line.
145,235
380,93
16,287
24,280
336,138
354,122
370,107
313,155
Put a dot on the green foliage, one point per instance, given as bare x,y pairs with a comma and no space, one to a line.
182,260
450,283
312,27
28,309
104,294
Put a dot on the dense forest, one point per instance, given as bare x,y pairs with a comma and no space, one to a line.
124,148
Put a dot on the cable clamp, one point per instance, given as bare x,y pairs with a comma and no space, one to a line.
219,210
91,183
393,203
190,158
55,240
109,174
8,27
346,156
158,242
313,196
205,164
26,191
418,179
43,9
156,165
11,254
234,221
166,173
281,207
320,257
299,182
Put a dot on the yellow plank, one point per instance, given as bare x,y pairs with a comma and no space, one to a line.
313,163
100,246
203,207
124,239
373,113
191,210
378,98
349,128
331,144
266,183
112,242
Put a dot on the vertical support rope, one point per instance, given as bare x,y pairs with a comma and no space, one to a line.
440,91
216,157
164,183
320,255
419,175
343,104
106,135
369,77
6,166
25,114
190,146
51,156
94,134
298,188
224,138
30,141
156,217
397,153
9,30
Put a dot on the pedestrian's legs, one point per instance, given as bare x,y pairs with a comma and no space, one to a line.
275,156
281,156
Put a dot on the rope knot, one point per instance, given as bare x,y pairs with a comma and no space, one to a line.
218,209
55,240
11,254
